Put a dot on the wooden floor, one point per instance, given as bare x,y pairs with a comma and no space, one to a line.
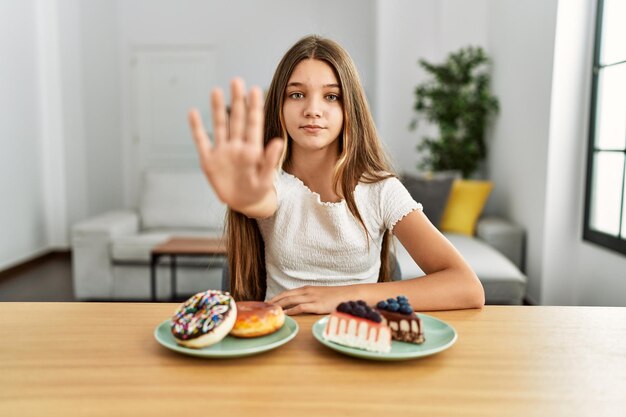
48,278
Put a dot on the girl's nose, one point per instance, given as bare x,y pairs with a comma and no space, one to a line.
313,108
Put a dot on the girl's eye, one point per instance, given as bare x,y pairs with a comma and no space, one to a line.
332,97
296,95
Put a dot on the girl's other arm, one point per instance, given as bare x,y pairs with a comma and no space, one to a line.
238,167
449,283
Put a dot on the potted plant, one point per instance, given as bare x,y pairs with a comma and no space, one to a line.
458,101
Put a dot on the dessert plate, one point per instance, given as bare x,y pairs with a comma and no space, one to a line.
230,347
439,336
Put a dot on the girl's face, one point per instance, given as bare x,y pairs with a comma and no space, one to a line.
312,107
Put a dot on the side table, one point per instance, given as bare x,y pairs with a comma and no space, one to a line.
182,246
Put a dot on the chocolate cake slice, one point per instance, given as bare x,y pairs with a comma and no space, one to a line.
404,323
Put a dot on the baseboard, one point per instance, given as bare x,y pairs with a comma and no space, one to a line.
33,261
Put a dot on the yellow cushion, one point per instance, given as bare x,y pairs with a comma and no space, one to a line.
465,204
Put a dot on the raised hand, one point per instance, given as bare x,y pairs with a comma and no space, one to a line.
239,168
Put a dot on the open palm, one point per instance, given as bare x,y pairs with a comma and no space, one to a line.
239,168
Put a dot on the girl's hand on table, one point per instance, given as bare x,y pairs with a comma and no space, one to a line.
311,299
238,166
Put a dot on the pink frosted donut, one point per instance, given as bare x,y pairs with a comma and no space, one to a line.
204,319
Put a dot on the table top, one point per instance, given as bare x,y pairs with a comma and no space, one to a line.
102,359
192,246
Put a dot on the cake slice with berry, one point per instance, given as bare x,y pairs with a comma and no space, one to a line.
357,325
404,323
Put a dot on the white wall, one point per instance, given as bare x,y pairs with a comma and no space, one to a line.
521,43
101,99
23,231
574,272
52,132
408,30
70,42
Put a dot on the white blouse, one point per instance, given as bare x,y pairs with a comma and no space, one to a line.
310,242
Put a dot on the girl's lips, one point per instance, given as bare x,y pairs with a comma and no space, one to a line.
311,128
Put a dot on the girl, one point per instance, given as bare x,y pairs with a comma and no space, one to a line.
317,232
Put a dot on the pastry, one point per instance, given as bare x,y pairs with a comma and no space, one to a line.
255,318
204,319
355,324
404,323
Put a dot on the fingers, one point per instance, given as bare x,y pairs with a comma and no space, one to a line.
305,299
296,304
254,126
301,309
237,110
293,300
273,152
219,117
279,299
296,301
245,121
200,138
285,294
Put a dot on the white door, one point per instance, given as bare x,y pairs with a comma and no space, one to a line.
167,82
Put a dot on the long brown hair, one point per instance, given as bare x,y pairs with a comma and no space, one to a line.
361,158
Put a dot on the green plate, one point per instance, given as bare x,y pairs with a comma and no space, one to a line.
230,347
439,336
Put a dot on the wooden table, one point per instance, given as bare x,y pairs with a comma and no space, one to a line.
100,359
182,246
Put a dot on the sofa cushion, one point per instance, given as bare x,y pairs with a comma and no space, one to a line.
465,205
432,192
502,281
137,248
179,199
112,223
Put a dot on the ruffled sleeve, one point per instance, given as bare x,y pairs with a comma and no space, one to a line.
395,202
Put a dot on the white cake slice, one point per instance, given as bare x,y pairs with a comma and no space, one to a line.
362,333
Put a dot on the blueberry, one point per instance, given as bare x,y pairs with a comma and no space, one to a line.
406,309
401,298
393,307
362,303
374,316
391,300
343,307
360,311
382,305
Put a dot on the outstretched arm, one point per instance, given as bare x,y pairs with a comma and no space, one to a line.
449,282
238,167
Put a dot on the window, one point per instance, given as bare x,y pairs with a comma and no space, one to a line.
605,204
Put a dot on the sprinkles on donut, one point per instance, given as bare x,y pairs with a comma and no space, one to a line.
204,319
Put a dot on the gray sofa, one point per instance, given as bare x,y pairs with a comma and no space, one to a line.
111,252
